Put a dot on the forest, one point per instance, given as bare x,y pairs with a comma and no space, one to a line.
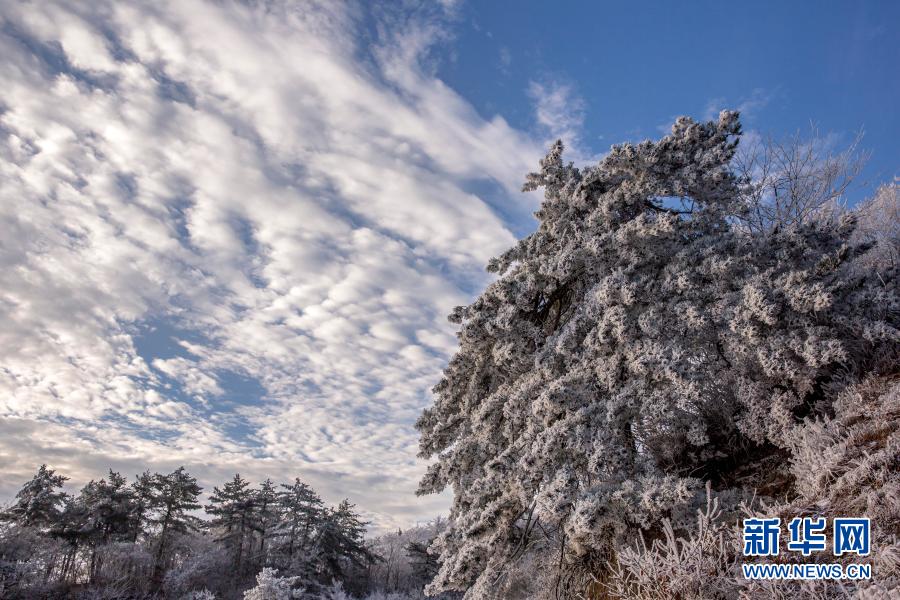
154,537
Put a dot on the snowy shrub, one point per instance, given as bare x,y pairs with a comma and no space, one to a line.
848,464
701,566
202,564
24,556
271,587
335,592
200,595
879,224
843,465
393,596
124,566
850,460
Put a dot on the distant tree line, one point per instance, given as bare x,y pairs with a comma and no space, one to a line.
145,538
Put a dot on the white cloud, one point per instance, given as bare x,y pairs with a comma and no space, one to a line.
505,59
560,112
558,109
286,205
749,106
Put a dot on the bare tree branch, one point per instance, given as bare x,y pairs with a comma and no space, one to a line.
789,181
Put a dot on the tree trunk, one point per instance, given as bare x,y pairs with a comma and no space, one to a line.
156,579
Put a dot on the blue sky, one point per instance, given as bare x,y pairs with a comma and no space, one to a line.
230,232
636,65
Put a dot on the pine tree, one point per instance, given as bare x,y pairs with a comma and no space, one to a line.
110,505
234,514
142,490
635,345
39,502
131,540
340,544
106,508
301,512
267,514
70,528
424,563
173,497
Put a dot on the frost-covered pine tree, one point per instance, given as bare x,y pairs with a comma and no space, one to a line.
266,501
634,346
39,502
142,489
174,497
104,510
108,505
234,512
339,545
301,510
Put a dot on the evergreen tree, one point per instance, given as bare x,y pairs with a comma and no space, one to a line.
424,563
106,509
39,502
635,345
110,507
234,514
142,491
266,516
172,498
70,528
301,512
339,544
95,541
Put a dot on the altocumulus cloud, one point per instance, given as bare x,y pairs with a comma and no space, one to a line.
229,236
